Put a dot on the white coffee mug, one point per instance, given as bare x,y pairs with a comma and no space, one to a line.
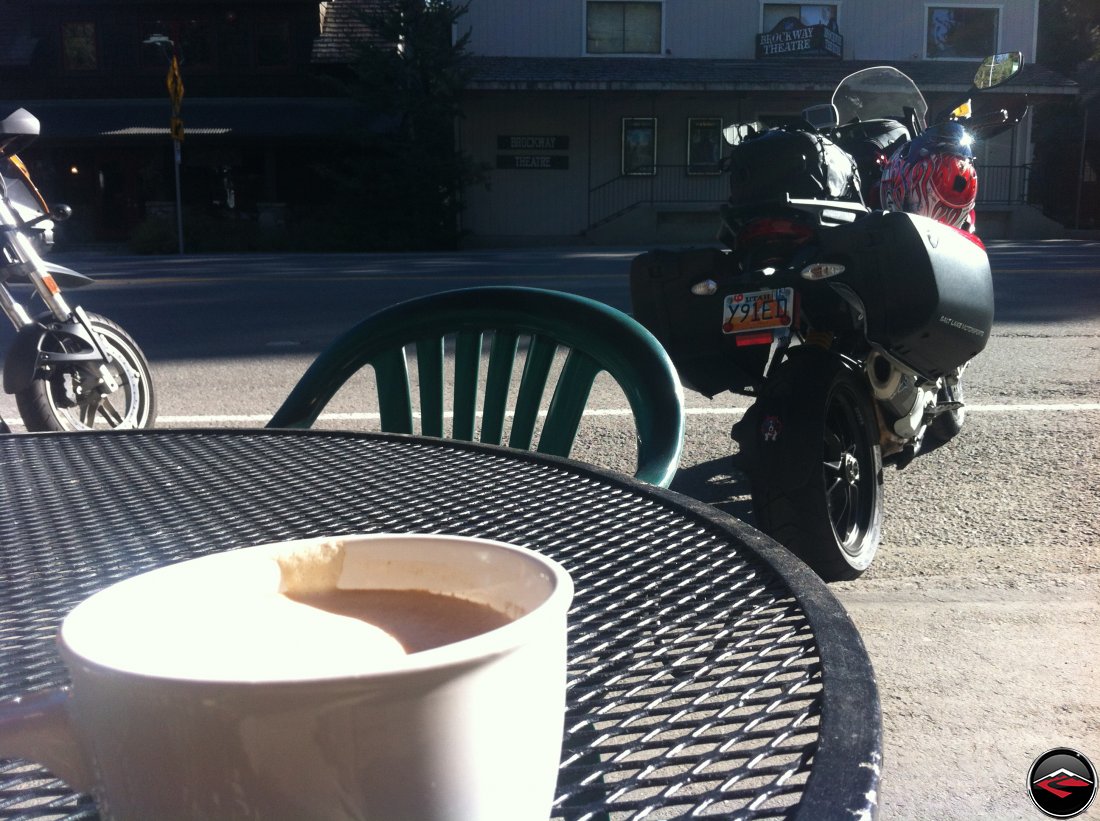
155,725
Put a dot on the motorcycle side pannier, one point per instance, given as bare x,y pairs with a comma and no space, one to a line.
926,287
689,325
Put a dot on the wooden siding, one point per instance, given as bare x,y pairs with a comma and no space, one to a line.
717,29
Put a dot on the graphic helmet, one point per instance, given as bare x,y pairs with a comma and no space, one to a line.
933,175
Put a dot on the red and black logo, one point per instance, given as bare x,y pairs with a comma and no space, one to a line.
1062,783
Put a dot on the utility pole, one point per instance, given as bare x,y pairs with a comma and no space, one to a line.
174,82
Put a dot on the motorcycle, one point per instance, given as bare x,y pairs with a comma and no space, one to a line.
68,368
849,299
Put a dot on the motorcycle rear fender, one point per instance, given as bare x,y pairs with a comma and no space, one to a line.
25,356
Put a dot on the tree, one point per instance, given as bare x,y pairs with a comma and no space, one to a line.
1069,33
403,177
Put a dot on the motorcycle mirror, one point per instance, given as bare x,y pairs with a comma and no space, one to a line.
995,70
60,212
998,68
821,116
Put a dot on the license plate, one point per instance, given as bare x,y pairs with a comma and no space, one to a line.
757,311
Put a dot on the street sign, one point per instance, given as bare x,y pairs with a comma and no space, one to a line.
175,84
174,81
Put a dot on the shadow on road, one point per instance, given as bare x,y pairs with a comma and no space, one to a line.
717,483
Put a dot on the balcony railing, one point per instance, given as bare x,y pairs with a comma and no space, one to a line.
1003,184
672,185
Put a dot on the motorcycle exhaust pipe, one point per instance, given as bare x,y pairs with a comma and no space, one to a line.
895,389
885,379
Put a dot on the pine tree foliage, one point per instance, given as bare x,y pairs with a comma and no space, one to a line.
405,175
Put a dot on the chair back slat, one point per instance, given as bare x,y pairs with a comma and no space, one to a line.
599,338
563,417
532,385
391,371
467,368
429,369
498,380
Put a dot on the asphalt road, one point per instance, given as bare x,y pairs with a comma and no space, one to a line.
982,608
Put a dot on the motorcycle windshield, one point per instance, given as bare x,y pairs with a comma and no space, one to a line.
879,93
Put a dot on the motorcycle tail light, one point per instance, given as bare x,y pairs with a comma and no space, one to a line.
774,229
755,338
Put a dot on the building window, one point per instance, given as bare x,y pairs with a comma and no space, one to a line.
624,28
272,44
640,146
78,47
704,145
192,40
796,15
196,43
962,32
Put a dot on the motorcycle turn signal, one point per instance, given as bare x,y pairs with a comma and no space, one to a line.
822,270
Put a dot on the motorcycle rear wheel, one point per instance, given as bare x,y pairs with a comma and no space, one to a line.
66,397
816,475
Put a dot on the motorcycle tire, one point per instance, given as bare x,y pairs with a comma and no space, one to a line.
64,397
815,464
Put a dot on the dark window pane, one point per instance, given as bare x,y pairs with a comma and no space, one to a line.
196,44
961,32
272,45
801,14
78,46
642,28
624,28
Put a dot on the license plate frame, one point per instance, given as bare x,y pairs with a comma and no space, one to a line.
755,311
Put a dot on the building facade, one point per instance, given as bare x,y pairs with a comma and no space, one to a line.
601,119
253,108
598,120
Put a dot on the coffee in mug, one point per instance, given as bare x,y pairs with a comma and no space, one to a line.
389,677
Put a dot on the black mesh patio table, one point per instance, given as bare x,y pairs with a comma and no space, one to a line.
710,672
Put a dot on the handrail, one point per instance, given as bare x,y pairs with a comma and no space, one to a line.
674,184
667,184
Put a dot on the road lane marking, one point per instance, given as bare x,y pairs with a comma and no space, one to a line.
1062,407
262,418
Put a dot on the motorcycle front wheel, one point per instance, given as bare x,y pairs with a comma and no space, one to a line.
816,475
69,396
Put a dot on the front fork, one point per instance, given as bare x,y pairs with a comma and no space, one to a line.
19,253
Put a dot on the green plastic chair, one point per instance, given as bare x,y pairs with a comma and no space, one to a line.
597,337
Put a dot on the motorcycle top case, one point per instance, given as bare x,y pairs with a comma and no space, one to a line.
689,325
799,164
926,287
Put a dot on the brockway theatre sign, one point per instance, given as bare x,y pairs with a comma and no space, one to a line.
528,161
790,38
